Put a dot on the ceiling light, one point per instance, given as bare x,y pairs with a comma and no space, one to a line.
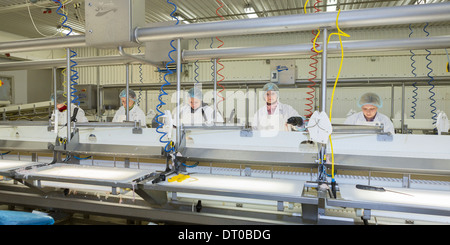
333,7
250,11
66,31
180,18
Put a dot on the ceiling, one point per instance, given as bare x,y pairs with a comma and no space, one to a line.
39,18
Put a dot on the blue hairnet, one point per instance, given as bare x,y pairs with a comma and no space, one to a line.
196,92
370,99
131,94
270,87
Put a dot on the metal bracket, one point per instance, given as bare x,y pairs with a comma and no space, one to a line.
246,133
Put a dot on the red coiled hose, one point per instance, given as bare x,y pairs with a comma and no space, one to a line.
222,77
312,72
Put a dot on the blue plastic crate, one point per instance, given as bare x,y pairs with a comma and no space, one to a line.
8,217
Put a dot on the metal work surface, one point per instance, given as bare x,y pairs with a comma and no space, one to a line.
96,175
248,187
7,166
395,199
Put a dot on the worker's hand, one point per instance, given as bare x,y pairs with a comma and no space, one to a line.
295,121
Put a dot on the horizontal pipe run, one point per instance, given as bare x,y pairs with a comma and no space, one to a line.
301,22
299,83
287,23
59,63
305,49
42,43
247,52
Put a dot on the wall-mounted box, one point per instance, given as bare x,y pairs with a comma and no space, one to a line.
87,96
286,71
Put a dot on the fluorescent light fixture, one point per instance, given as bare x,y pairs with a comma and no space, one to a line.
66,31
250,11
180,18
331,8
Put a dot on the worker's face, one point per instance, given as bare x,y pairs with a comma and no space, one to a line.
369,111
130,102
271,97
195,103
59,106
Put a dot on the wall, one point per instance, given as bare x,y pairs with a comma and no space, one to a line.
40,84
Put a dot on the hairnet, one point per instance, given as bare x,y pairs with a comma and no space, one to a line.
60,97
270,87
131,94
370,99
196,92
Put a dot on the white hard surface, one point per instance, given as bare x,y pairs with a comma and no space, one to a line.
422,198
81,172
13,164
249,185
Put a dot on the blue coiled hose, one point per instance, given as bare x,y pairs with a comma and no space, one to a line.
433,101
196,64
74,77
168,147
413,112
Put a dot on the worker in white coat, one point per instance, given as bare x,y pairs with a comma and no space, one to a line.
196,112
77,114
135,113
369,114
275,116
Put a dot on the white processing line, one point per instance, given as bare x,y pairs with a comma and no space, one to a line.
283,192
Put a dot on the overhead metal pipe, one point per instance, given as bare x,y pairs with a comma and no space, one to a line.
42,43
60,63
287,23
333,47
301,22
247,52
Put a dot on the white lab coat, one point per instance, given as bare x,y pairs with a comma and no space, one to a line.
276,121
135,114
203,115
359,119
62,116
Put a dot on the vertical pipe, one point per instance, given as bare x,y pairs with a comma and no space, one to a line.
55,108
215,89
54,90
69,97
392,102
247,108
320,176
98,91
178,93
127,107
324,70
403,108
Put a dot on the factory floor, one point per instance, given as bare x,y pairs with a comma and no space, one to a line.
66,218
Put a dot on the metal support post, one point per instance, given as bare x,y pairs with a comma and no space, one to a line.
127,106
320,177
178,133
69,97
215,90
